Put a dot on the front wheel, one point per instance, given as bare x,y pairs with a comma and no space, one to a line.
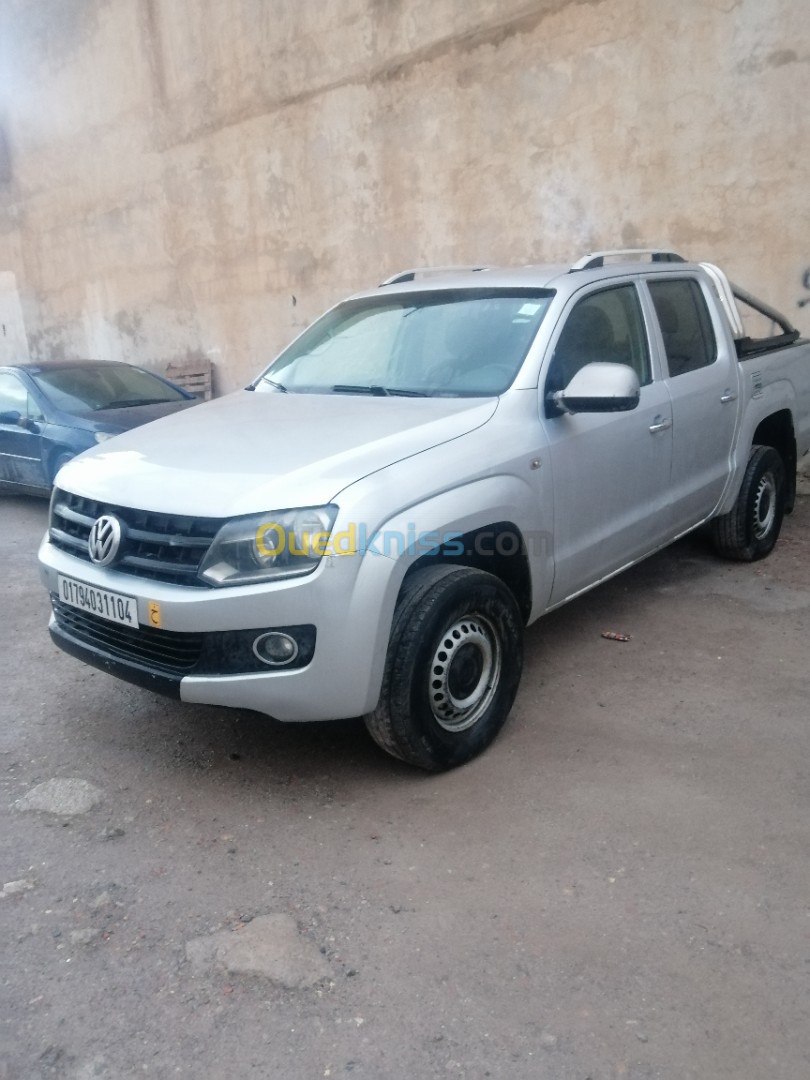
57,462
751,528
454,662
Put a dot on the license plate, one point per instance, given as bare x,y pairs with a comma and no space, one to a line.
112,606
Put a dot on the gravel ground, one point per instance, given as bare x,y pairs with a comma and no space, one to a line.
618,888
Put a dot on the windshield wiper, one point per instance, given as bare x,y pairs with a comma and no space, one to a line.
272,382
377,391
130,403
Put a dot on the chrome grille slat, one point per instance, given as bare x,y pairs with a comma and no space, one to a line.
66,540
174,540
157,565
65,511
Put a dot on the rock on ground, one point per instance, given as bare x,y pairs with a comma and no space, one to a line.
61,796
14,888
269,946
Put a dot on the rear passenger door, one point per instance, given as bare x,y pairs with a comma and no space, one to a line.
701,376
610,471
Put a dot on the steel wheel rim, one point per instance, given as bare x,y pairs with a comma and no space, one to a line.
464,673
764,506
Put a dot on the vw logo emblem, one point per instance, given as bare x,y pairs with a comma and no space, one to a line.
104,540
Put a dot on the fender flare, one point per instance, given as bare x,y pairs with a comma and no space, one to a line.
414,530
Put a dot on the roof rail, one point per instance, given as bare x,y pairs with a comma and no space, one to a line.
597,258
429,271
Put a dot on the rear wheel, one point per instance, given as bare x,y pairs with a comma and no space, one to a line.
751,528
454,662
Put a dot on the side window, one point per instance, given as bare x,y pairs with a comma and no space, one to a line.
13,395
686,328
34,411
606,326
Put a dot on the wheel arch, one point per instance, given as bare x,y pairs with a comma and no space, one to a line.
778,432
437,530
496,524
497,548
763,427
57,451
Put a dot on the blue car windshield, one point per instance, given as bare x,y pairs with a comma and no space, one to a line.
449,343
93,387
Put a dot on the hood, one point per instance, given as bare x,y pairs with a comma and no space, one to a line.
134,416
252,452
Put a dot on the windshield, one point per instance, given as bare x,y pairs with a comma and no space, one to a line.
103,386
459,343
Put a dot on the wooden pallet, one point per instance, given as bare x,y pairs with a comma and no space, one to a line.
196,376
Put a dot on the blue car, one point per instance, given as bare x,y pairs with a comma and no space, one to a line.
51,412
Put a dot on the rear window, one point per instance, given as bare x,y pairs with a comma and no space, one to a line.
686,327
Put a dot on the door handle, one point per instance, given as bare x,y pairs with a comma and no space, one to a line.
728,396
660,424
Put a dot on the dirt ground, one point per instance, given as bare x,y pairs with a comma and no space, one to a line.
619,888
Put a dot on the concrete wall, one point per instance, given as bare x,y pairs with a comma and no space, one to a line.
203,177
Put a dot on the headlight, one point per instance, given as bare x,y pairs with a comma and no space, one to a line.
279,544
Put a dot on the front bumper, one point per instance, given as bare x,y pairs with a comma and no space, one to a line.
347,605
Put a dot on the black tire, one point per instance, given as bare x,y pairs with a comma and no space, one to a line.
454,662
751,528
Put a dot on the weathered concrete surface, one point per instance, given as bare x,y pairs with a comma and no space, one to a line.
178,179
618,889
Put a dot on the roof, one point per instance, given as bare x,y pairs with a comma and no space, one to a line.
54,365
596,266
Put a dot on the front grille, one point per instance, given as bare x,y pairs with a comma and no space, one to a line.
162,649
164,547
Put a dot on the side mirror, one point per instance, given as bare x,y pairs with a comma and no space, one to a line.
598,388
10,416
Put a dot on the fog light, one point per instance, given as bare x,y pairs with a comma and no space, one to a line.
275,649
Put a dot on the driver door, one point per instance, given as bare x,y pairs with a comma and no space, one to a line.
610,471
20,440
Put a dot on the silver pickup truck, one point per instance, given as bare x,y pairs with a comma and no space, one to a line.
434,464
